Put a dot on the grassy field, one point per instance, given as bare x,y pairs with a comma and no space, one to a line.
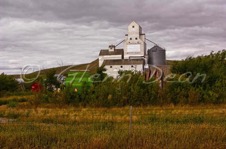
47,126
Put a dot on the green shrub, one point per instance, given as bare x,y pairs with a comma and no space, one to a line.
210,86
12,104
8,83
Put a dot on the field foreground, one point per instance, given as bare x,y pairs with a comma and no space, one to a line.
148,127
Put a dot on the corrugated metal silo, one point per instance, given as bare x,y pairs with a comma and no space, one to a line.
156,56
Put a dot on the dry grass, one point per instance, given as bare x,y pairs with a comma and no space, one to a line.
8,98
152,127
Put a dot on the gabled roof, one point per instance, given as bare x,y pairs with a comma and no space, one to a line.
133,22
124,62
107,52
156,48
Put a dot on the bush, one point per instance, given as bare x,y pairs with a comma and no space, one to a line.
8,83
208,89
12,104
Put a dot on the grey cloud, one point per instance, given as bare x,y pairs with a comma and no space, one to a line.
116,11
50,44
49,32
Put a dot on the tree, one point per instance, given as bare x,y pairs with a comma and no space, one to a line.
8,83
101,74
51,80
212,88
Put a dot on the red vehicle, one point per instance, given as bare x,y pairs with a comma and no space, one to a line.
36,87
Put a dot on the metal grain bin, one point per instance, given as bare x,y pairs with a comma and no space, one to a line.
156,56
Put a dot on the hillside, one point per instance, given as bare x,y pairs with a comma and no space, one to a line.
91,67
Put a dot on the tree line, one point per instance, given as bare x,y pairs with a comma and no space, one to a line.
131,89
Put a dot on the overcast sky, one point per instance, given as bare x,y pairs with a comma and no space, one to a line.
46,33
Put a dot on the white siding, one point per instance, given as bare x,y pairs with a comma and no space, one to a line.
112,70
135,37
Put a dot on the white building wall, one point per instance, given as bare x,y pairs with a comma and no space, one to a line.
134,39
114,69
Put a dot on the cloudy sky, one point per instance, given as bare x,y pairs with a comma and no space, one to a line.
46,33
